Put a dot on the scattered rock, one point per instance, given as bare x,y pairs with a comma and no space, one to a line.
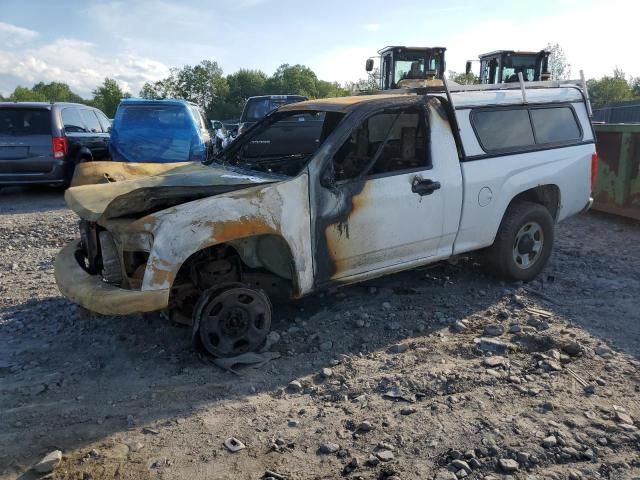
326,346
294,386
272,338
445,475
408,411
49,463
364,427
537,323
372,461
351,467
508,465
491,345
552,365
494,330
384,455
135,446
494,361
515,328
398,348
328,448
474,463
550,442
458,326
603,351
572,348
461,465
326,373
622,417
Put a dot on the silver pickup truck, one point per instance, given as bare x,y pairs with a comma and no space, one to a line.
386,183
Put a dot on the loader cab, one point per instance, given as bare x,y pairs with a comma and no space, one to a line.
503,66
402,67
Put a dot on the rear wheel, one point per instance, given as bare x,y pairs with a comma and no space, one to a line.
231,321
523,243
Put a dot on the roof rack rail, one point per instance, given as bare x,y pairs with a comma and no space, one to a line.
448,87
451,87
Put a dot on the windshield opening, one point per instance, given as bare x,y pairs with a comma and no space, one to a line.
284,143
515,64
415,66
258,108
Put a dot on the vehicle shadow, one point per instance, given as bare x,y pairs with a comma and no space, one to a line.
592,278
31,199
70,379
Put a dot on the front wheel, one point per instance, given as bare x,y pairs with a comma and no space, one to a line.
523,243
231,320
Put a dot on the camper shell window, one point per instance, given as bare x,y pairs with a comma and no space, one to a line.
517,129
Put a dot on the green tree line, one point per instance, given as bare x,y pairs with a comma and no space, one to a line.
223,96
106,97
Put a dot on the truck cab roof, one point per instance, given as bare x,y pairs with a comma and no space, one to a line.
397,48
466,99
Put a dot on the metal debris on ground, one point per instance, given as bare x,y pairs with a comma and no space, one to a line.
269,475
245,362
234,445
396,393
539,312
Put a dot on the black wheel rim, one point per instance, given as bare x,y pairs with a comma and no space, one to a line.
235,321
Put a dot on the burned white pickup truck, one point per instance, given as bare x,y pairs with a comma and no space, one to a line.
369,186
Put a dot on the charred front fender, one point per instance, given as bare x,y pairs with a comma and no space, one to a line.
280,209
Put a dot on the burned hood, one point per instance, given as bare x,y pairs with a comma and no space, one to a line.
134,192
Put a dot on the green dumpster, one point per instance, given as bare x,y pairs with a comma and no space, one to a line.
617,188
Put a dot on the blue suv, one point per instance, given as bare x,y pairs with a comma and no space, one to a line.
159,131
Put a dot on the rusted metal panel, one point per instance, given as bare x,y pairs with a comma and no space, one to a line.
96,295
617,188
142,190
279,209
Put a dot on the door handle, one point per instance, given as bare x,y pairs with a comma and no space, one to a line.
424,187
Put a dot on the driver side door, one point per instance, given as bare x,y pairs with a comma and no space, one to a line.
384,206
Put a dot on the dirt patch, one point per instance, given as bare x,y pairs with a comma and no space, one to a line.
394,378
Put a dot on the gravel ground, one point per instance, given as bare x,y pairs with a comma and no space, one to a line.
439,372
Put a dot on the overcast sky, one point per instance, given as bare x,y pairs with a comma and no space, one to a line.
81,42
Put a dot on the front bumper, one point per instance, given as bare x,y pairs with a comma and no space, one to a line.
93,294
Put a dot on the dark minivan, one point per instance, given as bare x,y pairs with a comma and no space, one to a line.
257,108
42,142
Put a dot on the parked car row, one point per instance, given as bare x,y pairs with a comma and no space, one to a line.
43,142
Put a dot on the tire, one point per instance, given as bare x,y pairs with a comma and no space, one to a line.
523,243
231,320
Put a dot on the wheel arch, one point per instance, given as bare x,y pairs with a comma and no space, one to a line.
547,195
269,251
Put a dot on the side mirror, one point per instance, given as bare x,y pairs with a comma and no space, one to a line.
368,66
467,69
